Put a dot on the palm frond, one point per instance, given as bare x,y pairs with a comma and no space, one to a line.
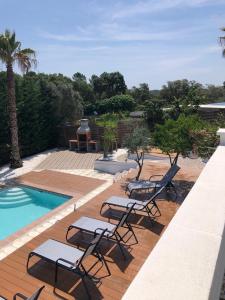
223,53
10,52
3,48
25,59
222,42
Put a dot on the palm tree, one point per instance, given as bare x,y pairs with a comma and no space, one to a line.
11,53
222,41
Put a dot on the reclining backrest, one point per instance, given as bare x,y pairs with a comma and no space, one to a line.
154,196
36,294
92,246
170,174
125,216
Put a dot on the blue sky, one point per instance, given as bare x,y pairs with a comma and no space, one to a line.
151,41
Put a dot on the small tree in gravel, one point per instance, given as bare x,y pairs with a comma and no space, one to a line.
109,123
175,137
138,142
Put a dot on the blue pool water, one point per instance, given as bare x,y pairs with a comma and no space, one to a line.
20,206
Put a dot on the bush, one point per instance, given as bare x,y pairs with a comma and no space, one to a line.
115,104
176,136
137,142
154,113
43,102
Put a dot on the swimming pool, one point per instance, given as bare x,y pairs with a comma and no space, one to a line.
21,205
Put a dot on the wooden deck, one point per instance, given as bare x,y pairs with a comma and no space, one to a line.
69,160
59,182
13,275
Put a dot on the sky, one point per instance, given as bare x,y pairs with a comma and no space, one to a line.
152,41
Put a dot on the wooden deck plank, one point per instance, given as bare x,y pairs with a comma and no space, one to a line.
68,160
13,275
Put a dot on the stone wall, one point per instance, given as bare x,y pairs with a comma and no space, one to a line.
210,114
125,127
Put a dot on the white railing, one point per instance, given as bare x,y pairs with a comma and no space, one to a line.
188,262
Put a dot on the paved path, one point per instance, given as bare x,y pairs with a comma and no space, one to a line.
68,160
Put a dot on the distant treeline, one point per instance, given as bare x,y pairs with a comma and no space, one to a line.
46,101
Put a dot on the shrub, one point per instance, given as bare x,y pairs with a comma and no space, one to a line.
115,104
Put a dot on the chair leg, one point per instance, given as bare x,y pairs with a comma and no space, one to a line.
85,287
103,204
28,260
82,275
69,228
174,188
56,275
149,214
121,248
102,258
154,205
131,229
130,193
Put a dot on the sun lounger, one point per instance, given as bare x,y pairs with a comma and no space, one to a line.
149,206
111,231
18,296
151,184
69,258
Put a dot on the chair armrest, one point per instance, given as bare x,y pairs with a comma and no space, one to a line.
101,229
19,295
155,176
73,265
131,203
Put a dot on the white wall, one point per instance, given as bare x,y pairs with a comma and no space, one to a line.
188,261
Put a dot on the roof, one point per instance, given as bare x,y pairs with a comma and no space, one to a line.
137,114
220,105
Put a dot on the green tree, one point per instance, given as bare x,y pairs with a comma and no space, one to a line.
85,90
115,104
11,53
214,93
109,123
154,113
182,96
108,84
138,142
141,93
68,103
175,136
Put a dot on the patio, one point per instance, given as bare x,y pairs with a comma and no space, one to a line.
68,160
13,275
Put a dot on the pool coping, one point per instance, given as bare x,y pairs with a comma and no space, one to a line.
27,233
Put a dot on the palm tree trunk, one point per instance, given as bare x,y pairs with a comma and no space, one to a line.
15,159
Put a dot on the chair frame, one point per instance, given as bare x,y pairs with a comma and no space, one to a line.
21,296
143,207
113,235
168,182
77,267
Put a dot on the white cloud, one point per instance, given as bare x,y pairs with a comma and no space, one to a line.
65,37
152,6
113,32
177,62
212,49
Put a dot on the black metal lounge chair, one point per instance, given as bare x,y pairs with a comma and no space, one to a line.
35,295
70,258
111,231
149,206
151,184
